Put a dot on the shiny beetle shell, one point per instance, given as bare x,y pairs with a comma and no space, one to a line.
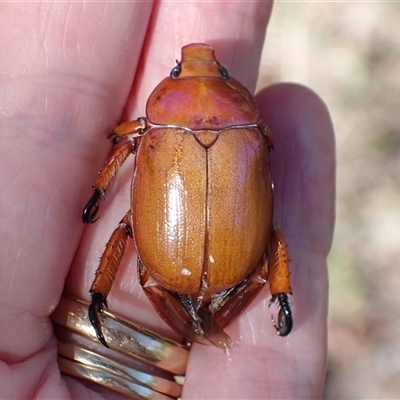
201,203
203,200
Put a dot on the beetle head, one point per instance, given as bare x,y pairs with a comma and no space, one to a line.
198,59
200,95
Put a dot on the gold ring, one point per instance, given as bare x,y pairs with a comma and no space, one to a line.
139,363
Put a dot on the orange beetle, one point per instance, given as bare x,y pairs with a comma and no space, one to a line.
201,204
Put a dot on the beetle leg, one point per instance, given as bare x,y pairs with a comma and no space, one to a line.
180,312
129,128
278,276
285,319
105,273
204,324
92,207
96,307
227,306
105,177
168,306
213,331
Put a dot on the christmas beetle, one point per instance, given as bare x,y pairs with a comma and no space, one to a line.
201,210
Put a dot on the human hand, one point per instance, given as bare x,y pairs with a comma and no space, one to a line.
67,72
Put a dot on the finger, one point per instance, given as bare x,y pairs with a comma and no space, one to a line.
61,64
262,364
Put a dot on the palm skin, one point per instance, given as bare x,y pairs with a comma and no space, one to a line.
69,71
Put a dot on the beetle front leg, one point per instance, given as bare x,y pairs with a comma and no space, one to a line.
105,177
129,128
278,276
135,129
105,273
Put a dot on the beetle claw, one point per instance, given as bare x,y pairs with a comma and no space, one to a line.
96,308
285,319
114,137
91,208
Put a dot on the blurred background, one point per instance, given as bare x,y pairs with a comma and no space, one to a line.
349,53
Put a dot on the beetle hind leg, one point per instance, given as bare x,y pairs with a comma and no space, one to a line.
182,314
204,324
